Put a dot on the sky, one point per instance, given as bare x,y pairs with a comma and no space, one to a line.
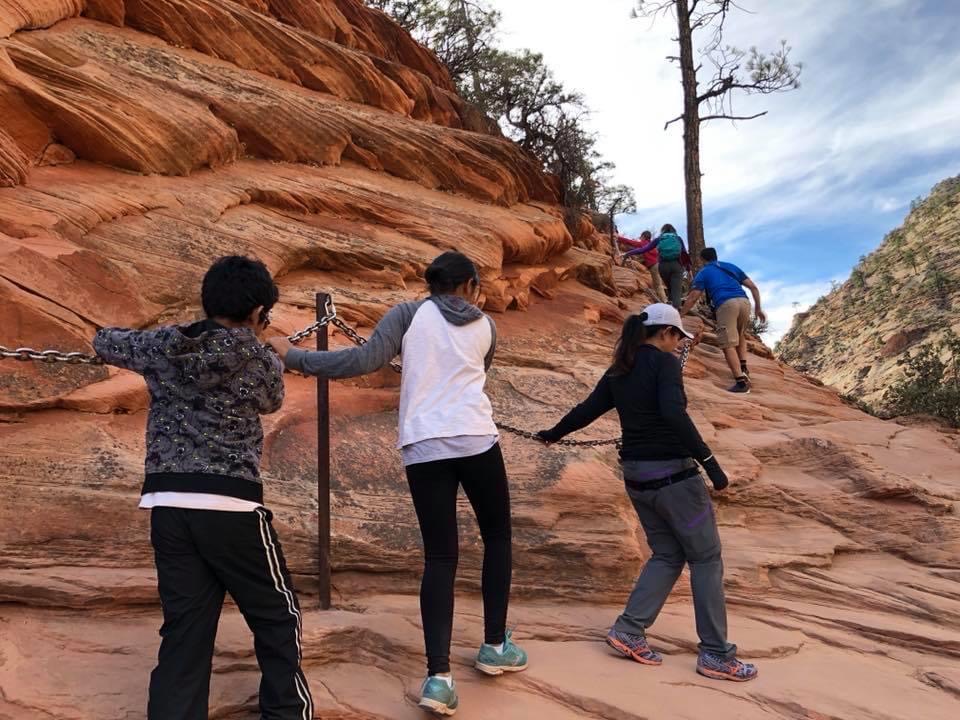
795,197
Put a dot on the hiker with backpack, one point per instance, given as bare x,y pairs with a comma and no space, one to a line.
447,439
209,382
673,261
650,259
661,455
723,284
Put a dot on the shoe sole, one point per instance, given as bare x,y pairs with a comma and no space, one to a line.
436,707
495,670
626,652
717,675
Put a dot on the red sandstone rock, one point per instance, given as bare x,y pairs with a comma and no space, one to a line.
32,14
56,154
347,167
13,161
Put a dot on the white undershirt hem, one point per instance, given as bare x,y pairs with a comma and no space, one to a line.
197,501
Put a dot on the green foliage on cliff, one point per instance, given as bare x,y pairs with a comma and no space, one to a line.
931,383
519,91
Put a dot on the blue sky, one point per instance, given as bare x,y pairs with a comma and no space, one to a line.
795,197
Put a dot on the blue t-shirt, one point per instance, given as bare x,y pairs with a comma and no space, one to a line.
719,285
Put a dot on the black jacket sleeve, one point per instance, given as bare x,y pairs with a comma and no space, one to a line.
673,407
599,402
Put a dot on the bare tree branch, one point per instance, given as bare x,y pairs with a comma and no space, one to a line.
733,117
678,118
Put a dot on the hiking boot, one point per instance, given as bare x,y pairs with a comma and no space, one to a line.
634,647
439,697
721,668
511,659
744,370
742,385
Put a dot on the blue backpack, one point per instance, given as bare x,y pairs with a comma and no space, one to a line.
670,246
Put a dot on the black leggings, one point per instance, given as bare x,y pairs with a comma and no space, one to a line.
434,486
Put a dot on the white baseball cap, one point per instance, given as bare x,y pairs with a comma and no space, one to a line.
664,314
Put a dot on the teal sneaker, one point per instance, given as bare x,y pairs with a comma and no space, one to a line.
438,697
491,662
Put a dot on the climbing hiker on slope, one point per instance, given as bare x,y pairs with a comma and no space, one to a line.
447,439
650,258
723,284
673,261
661,448
209,383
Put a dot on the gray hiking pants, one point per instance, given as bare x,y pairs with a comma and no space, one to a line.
681,528
671,272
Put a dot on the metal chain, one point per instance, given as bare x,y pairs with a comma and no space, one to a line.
359,339
329,316
26,354
684,356
573,443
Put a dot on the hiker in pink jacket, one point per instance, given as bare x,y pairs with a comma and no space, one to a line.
650,258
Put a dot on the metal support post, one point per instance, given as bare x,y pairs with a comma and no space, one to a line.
323,464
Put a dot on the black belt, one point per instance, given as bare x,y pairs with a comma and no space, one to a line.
663,482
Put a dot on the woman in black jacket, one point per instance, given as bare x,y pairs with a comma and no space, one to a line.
660,451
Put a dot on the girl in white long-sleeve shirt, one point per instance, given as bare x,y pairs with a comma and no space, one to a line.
447,439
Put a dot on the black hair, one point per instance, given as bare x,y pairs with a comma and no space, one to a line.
449,271
709,254
668,228
235,285
633,335
646,234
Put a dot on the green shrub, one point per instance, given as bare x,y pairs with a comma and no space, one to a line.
931,384
758,327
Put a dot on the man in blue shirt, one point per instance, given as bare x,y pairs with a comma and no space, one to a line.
723,284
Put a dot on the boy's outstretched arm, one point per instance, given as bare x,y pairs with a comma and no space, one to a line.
128,349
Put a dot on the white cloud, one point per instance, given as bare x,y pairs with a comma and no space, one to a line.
783,300
881,86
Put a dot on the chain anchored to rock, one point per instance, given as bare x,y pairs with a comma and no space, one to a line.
359,339
329,318
573,443
684,356
26,354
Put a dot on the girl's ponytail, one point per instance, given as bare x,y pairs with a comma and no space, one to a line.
634,334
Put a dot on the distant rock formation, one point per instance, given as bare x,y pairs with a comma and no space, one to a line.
902,296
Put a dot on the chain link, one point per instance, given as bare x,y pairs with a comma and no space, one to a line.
684,356
26,354
573,443
329,318
360,340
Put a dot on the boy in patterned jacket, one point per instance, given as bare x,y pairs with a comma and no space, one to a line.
209,382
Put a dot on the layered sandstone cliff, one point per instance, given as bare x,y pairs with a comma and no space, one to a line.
900,298
142,138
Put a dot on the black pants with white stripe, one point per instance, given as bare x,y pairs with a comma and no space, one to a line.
200,556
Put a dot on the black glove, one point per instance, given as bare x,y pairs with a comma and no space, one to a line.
718,478
547,436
